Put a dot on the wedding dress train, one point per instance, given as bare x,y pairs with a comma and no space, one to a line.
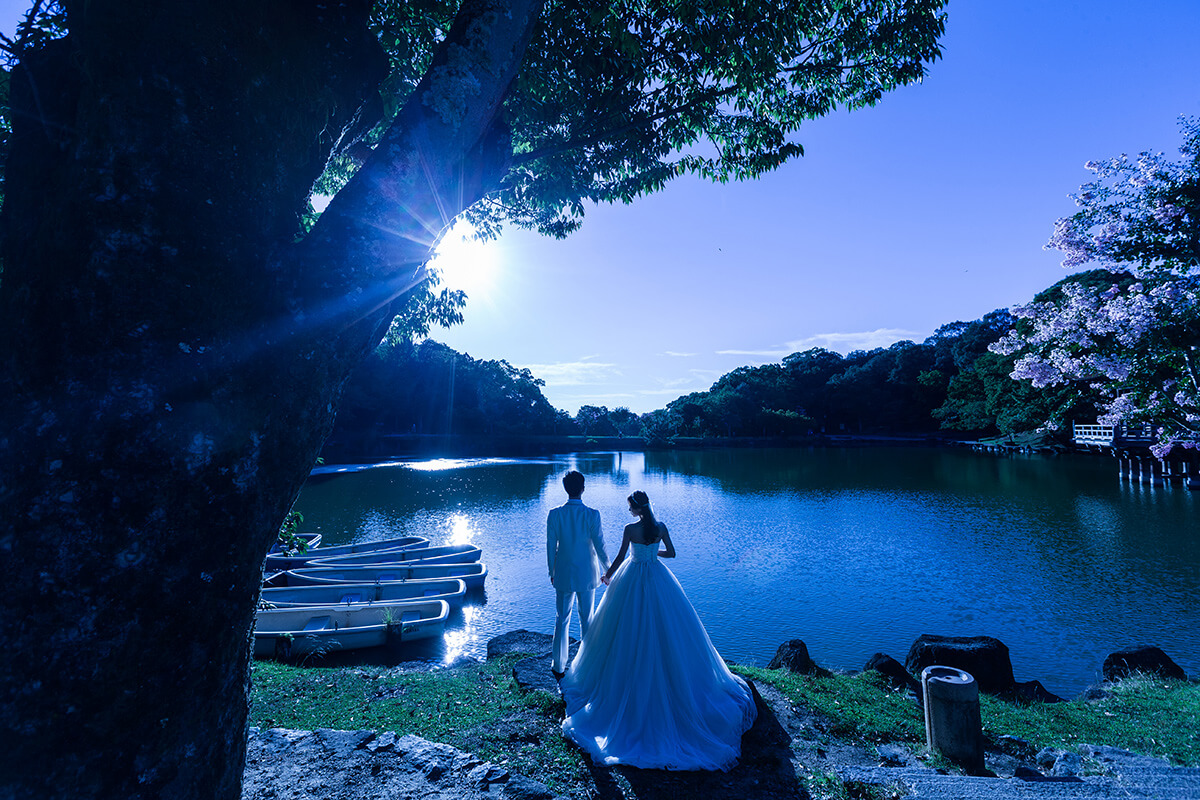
647,687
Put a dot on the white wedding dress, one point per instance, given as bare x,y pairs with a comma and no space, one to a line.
647,688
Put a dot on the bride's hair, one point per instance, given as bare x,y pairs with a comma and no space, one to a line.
641,502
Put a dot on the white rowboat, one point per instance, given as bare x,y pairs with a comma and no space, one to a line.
444,554
289,632
473,574
451,590
278,561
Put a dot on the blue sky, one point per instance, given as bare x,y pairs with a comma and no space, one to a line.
929,208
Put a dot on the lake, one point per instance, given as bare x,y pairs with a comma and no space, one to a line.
855,551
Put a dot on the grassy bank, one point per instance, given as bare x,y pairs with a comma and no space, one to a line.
480,709
1147,715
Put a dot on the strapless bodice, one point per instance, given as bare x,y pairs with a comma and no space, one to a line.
644,552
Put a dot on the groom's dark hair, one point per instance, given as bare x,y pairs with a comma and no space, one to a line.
573,483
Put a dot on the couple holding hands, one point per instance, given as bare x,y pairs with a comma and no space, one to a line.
647,688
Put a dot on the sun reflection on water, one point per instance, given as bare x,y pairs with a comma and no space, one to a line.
460,641
462,529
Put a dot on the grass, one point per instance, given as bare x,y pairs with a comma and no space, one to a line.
861,708
1142,714
481,710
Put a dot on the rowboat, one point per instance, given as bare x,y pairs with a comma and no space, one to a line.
299,631
473,574
278,561
444,554
451,590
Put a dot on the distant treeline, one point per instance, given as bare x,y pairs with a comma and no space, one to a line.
951,382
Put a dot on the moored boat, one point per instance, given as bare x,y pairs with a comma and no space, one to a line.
278,561
451,590
473,574
288,632
443,554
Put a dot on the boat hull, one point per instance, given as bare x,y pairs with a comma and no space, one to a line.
473,574
286,633
452,590
276,562
443,554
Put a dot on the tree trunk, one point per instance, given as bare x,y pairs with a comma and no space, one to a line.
173,355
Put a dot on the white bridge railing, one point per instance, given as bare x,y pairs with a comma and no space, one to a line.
1093,434
1108,435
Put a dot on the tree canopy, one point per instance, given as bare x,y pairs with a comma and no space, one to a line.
177,325
1130,331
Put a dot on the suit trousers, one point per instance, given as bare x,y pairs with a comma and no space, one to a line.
562,624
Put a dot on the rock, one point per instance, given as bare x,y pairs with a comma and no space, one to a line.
1046,757
1150,660
1093,694
1015,746
1067,765
518,787
1034,692
985,658
892,755
521,641
894,671
351,765
793,656
534,673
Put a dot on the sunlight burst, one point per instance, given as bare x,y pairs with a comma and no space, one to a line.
466,262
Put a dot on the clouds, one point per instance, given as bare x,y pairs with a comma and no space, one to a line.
584,372
843,343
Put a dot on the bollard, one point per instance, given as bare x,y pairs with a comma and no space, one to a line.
952,721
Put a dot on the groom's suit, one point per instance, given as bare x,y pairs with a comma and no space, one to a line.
575,556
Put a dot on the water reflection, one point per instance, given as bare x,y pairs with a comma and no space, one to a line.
854,551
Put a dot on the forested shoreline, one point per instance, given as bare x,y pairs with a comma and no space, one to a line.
424,397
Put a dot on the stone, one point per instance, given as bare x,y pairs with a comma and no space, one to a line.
894,671
1150,660
985,658
534,673
793,656
1015,746
1067,765
1034,692
518,787
521,641
892,755
1046,757
330,765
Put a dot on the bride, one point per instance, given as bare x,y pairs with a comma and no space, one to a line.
647,688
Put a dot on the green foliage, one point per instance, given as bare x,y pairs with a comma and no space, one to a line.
407,387
1142,714
477,708
290,543
860,707
614,100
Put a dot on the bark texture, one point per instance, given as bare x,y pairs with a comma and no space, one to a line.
173,354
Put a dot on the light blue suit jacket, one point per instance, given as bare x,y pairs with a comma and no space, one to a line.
574,547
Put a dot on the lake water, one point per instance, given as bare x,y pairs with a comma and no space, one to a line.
855,551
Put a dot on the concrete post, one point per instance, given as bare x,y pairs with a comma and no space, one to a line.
952,722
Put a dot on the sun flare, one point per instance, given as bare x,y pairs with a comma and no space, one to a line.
465,262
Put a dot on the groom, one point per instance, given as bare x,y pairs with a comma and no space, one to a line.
576,558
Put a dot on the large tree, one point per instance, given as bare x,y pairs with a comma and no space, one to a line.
1130,331
175,329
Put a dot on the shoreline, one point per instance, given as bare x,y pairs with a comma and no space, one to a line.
822,736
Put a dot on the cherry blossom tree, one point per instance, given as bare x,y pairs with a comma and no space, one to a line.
1136,336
